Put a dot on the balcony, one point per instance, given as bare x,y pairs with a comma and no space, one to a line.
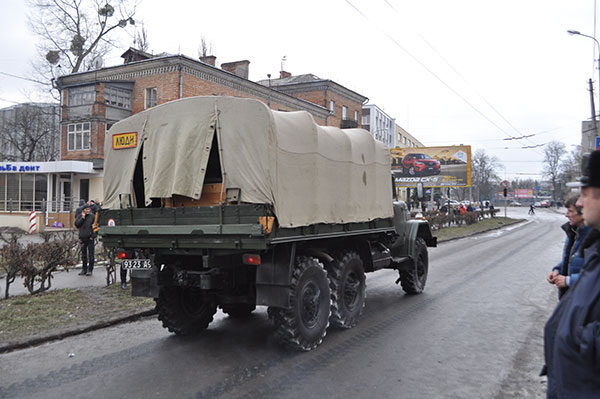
348,124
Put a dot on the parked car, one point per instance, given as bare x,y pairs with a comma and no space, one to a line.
537,204
420,164
545,204
452,202
515,203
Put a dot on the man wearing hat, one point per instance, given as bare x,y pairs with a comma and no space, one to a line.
572,334
84,223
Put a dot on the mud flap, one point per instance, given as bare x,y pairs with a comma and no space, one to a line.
144,283
273,276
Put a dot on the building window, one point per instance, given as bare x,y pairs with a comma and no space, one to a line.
41,190
344,112
3,192
78,136
81,95
84,189
356,116
332,107
12,192
22,192
117,97
151,97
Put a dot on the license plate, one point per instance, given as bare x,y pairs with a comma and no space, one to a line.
137,264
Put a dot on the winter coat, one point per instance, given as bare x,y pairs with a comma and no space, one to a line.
572,261
572,334
85,226
79,208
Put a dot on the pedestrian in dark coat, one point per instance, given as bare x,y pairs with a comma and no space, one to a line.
86,236
566,273
79,208
572,334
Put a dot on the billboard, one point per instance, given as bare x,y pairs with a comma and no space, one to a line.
433,166
524,193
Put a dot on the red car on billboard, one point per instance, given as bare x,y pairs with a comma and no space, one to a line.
415,164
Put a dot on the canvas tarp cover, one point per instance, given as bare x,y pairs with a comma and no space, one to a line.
311,174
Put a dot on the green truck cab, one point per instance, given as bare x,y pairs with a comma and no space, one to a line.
220,202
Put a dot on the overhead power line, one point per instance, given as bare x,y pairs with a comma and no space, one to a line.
21,77
518,138
393,40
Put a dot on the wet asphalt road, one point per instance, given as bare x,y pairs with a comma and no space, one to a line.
476,332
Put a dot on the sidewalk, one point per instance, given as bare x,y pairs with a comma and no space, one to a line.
109,308
61,279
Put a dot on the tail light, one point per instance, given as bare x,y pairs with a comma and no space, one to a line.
122,254
251,259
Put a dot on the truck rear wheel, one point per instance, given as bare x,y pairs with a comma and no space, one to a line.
238,310
303,326
184,311
413,279
348,289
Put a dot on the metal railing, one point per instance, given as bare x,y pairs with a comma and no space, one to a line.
62,210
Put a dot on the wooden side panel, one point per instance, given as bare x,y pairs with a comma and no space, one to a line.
212,194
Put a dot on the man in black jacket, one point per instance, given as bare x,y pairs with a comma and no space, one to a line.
572,334
84,223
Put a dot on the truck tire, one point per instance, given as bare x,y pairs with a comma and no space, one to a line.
184,311
238,310
413,279
348,289
304,325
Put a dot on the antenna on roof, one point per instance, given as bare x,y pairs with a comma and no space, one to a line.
283,60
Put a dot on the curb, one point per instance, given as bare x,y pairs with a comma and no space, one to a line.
483,231
55,337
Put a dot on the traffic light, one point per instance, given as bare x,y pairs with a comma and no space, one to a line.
505,191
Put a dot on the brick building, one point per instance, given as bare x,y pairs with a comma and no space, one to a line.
344,105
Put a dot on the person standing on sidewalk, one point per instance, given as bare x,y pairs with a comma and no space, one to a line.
572,334
566,273
84,223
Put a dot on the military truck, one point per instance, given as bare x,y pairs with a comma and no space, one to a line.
220,202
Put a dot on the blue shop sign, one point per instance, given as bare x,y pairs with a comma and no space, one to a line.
16,168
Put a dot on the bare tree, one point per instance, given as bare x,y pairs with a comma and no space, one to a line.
484,175
74,33
553,153
141,40
29,132
13,257
570,168
205,48
58,249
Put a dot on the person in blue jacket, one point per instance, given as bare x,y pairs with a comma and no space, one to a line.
566,272
572,334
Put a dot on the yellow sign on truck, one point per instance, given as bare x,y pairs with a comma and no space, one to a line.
124,140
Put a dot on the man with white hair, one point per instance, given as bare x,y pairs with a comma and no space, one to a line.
572,334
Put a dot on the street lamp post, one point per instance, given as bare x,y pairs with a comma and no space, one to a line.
576,32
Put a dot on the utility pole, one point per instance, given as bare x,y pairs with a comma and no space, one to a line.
596,127
592,101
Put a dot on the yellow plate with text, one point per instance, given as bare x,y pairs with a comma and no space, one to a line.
124,140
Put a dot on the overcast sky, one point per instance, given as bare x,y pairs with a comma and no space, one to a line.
451,72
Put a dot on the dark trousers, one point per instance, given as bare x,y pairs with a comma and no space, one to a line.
123,275
87,248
